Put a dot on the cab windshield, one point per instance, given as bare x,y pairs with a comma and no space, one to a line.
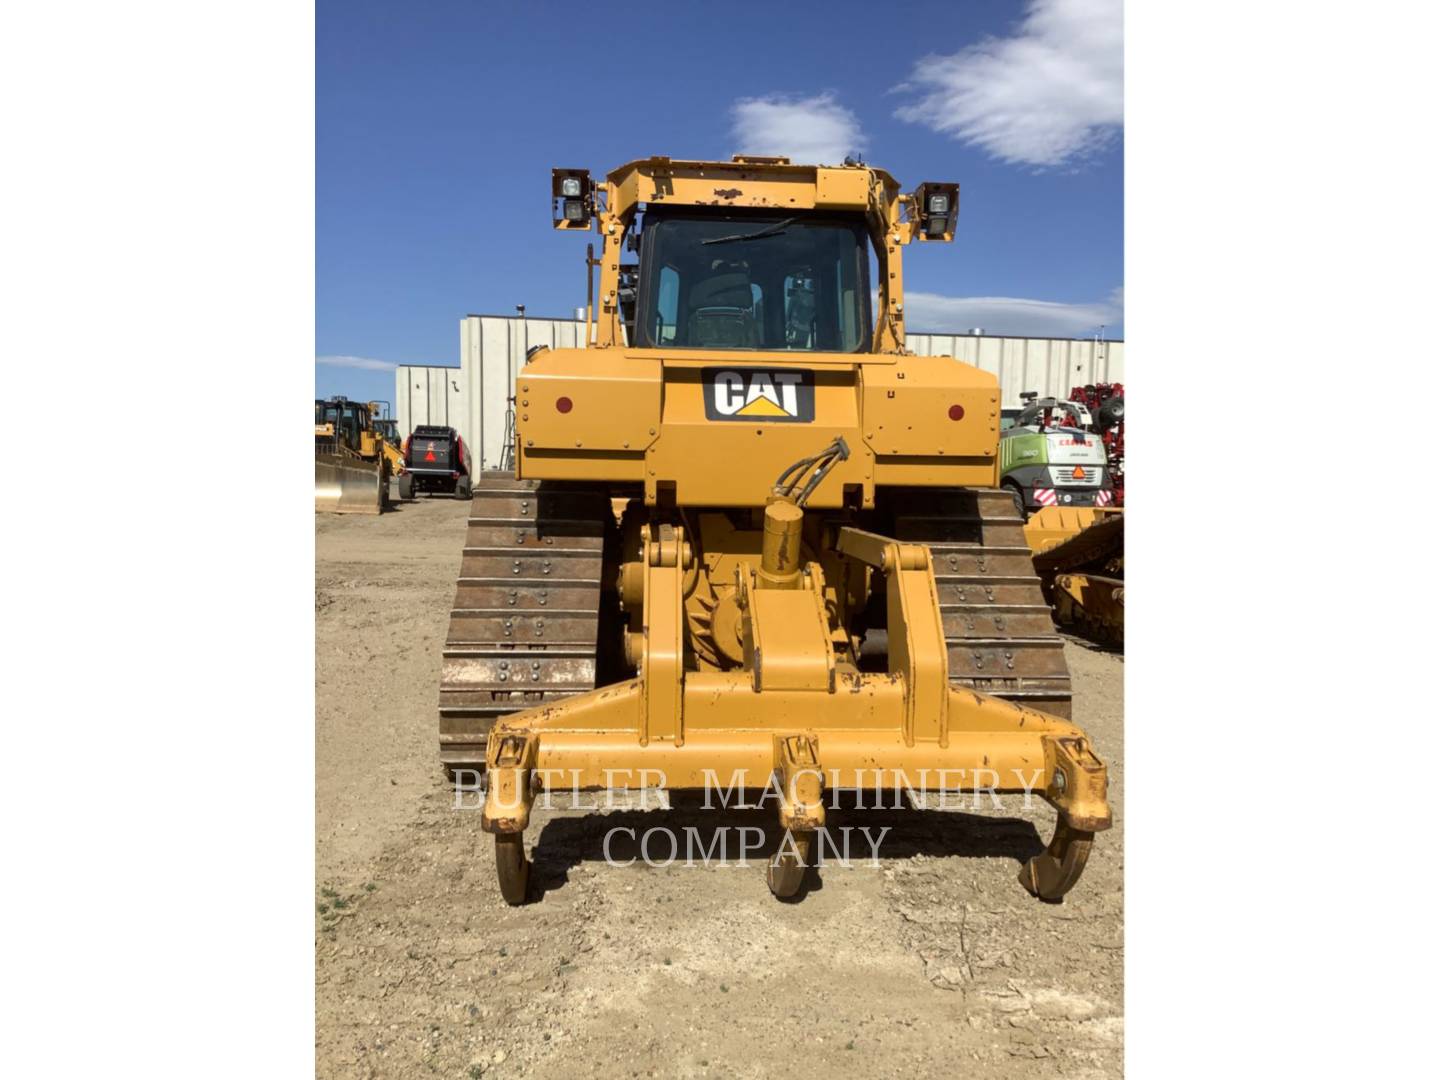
746,282
349,419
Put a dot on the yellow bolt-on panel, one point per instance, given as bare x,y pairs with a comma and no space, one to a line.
625,403
711,183
842,188
753,453
735,464
576,399
935,472
931,406
703,358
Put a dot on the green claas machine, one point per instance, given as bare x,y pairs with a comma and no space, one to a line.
1053,456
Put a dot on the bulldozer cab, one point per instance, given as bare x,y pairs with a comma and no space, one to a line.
389,431
383,424
754,254
344,423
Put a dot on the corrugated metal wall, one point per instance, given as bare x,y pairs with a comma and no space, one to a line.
428,395
1051,366
492,351
474,398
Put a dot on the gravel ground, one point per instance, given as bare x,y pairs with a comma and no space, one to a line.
933,959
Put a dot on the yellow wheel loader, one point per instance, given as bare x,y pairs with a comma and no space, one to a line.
388,430
390,445
750,542
354,459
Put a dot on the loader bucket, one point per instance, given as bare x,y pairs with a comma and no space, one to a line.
348,485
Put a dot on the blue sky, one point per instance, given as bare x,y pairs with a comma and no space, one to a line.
437,125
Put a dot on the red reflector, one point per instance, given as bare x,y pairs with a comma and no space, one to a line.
429,455
564,404
957,412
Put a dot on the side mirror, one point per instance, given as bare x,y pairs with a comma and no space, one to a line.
572,201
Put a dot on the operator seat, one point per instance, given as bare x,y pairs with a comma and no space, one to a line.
722,314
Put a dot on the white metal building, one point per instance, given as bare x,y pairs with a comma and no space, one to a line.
428,395
473,398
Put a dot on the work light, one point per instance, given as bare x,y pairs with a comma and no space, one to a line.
572,193
932,208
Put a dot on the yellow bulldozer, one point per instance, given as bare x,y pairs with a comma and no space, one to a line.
752,543
1079,553
354,457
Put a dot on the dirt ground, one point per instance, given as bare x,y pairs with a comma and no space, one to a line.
936,960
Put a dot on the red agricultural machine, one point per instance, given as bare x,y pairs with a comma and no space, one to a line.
1106,402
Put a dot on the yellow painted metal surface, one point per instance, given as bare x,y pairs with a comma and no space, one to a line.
639,414
663,633
907,410
1052,525
589,400
743,590
1082,573
743,184
841,188
395,458
1102,597
787,636
917,650
592,742
793,709
893,409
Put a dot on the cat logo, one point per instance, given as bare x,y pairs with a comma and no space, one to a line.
777,395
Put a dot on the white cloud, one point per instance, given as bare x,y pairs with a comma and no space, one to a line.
810,131
1052,93
361,362
931,312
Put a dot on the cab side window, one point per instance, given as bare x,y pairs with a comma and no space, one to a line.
667,310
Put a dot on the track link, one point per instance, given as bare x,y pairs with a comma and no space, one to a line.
999,633
524,627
